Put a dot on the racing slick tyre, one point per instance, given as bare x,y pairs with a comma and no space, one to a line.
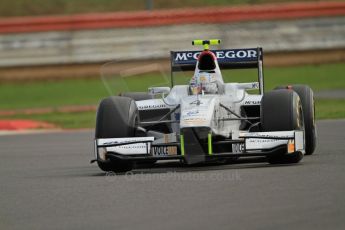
116,117
307,98
137,96
281,110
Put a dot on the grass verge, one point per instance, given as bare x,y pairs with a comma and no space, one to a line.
330,108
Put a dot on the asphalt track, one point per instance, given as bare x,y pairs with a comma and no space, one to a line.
47,183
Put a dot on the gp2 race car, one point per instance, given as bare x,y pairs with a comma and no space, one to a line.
208,119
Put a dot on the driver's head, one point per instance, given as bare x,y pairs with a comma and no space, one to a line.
203,82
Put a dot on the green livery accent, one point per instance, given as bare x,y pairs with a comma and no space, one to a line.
210,144
206,43
182,144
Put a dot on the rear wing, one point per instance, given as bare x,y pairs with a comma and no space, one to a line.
227,59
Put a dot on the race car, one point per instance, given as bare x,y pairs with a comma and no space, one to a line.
206,120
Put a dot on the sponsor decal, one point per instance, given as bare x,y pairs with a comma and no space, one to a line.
152,106
233,55
252,102
263,140
193,121
164,150
257,135
133,146
238,148
112,143
128,148
192,113
184,56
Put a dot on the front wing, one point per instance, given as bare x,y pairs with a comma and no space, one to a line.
184,147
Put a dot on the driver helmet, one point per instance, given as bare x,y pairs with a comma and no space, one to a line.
203,82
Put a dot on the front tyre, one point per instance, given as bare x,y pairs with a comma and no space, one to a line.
307,98
116,118
281,110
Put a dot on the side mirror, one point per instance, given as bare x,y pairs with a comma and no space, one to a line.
159,90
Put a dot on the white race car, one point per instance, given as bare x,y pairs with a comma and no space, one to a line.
208,119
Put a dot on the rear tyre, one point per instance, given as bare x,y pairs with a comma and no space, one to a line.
281,110
116,117
307,98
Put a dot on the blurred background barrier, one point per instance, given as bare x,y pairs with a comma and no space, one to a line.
140,36
172,17
89,46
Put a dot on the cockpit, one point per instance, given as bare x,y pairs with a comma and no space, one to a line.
206,76
203,83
